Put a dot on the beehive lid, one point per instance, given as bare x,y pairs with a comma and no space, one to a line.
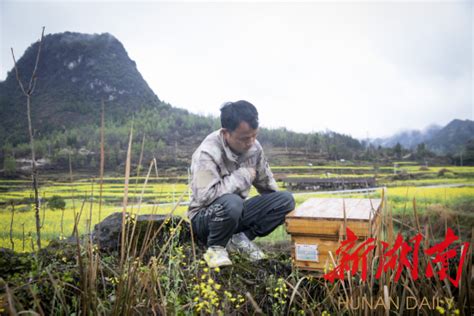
333,208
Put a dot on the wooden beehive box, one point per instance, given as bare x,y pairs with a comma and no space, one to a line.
318,225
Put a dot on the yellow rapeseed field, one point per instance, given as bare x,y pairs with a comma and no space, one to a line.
158,198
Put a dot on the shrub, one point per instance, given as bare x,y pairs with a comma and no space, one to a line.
56,203
9,166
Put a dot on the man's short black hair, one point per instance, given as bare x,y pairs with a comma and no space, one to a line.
232,113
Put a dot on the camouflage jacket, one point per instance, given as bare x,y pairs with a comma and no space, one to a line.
216,170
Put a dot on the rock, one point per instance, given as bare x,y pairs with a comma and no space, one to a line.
107,234
12,263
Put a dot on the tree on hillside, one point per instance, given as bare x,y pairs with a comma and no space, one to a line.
422,151
397,151
468,153
9,162
9,166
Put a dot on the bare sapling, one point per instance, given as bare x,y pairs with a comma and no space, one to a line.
139,167
23,235
28,92
102,160
125,196
11,226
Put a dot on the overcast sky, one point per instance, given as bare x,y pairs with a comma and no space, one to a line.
359,68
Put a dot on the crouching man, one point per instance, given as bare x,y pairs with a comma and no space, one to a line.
224,167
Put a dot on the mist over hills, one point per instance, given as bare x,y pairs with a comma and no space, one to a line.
441,140
407,138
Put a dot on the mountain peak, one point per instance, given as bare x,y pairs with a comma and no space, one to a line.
75,72
75,36
458,122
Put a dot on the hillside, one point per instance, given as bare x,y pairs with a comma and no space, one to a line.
453,137
75,72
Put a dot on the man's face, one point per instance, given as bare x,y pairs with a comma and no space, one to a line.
242,138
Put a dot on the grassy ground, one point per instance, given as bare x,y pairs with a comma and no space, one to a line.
171,279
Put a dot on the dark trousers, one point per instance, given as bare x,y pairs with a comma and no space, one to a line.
230,214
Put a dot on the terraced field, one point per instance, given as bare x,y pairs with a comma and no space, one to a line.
430,188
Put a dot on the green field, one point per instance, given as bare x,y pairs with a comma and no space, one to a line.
160,194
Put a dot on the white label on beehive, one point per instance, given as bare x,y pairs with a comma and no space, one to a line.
306,252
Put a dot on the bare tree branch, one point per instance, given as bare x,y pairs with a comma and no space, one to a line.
17,75
32,84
